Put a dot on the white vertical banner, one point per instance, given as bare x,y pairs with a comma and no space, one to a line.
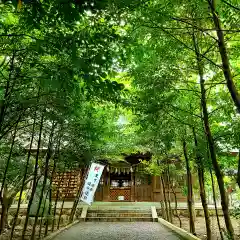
91,183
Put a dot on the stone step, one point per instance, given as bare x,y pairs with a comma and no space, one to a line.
118,214
119,210
119,219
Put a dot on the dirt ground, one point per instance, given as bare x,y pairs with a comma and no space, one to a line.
201,228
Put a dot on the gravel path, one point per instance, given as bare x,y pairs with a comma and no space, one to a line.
117,231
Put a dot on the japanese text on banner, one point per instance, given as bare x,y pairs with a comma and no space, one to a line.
91,183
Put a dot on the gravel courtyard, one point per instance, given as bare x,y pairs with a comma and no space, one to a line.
117,231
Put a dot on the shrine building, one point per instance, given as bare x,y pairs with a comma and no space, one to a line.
123,181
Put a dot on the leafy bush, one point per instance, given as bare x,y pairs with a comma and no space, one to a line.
23,198
236,211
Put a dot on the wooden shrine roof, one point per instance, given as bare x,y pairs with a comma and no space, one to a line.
135,158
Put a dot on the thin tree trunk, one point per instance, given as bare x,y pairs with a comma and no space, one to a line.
51,181
25,176
204,203
176,206
238,173
165,199
56,201
60,213
169,195
9,157
224,56
42,215
218,172
6,203
162,201
50,198
35,180
48,156
201,181
211,144
63,201
215,204
74,208
3,103
3,214
190,191
163,209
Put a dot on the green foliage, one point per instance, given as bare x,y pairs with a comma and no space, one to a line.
44,207
100,79
59,89
236,212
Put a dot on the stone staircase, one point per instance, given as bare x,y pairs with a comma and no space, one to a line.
119,215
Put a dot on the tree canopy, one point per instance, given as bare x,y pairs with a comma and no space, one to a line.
94,80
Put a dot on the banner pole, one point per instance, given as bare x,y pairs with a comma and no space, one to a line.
76,201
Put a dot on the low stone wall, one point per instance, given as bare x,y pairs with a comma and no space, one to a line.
181,232
64,219
199,212
23,211
59,222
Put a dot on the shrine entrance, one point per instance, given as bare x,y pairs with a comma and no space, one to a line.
120,186
127,181
124,183
121,181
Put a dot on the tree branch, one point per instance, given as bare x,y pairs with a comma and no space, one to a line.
179,120
186,46
16,189
182,110
195,27
232,6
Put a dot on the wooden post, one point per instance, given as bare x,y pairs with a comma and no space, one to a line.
132,187
135,188
106,184
154,187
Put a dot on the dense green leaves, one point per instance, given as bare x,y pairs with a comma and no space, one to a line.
94,80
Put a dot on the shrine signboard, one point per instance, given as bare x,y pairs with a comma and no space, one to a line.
91,183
